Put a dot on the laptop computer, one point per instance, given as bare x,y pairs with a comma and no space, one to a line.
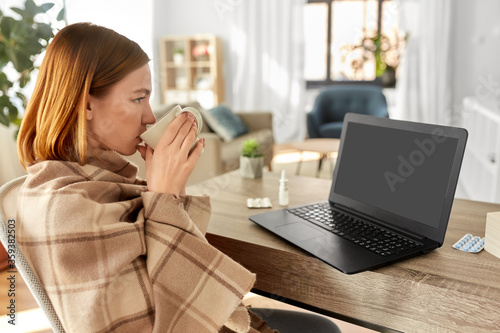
394,183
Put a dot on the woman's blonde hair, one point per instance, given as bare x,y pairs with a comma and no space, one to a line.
82,58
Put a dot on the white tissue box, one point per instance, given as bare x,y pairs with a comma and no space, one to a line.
492,234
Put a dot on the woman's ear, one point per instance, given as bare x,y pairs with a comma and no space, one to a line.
88,112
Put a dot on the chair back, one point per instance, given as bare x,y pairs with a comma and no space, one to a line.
8,215
333,103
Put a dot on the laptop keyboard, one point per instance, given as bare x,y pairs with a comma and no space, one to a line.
372,237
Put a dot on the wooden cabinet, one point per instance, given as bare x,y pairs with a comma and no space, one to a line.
191,70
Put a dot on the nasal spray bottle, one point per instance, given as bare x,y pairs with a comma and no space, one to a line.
283,194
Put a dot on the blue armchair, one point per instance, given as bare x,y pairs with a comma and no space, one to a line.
327,116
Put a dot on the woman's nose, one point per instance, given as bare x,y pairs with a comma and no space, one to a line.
148,116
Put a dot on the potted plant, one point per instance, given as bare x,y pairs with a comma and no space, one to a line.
251,159
22,39
178,56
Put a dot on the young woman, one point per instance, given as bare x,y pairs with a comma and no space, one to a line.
115,253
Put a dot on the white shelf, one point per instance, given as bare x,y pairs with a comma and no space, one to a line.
197,76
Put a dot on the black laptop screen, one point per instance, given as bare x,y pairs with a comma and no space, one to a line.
403,172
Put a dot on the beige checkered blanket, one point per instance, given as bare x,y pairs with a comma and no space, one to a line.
116,258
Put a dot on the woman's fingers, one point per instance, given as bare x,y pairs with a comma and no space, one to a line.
196,152
171,163
142,151
189,140
182,133
180,123
186,135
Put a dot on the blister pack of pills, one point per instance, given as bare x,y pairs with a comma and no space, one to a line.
259,203
469,243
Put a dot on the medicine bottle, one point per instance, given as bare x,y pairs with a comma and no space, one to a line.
283,190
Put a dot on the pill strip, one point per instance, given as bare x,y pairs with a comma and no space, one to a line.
469,243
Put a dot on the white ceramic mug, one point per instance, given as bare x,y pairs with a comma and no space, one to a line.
154,132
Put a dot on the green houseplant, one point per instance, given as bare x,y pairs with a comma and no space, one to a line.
22,39
251,159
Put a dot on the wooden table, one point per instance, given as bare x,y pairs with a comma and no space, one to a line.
444,291
322,146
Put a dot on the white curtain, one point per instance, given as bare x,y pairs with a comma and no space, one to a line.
424,89
266,63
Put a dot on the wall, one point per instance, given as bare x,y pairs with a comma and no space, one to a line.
131,18
476,45
123,16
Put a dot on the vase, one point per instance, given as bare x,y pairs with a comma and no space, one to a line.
178,58
251,167
389,78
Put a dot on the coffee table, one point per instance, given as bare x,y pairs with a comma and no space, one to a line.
325,147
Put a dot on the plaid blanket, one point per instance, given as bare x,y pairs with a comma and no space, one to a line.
114,257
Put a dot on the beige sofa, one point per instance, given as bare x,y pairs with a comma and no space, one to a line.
219,156
10,167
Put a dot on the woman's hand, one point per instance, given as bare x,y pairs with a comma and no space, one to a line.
170,164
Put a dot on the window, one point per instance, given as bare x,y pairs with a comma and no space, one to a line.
351,41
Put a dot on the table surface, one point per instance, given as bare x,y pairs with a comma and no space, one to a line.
318,145
445,290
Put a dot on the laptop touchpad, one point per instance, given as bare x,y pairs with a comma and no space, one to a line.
300,231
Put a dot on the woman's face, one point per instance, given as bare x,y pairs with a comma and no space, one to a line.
116,120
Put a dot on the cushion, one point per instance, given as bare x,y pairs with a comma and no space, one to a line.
224,122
